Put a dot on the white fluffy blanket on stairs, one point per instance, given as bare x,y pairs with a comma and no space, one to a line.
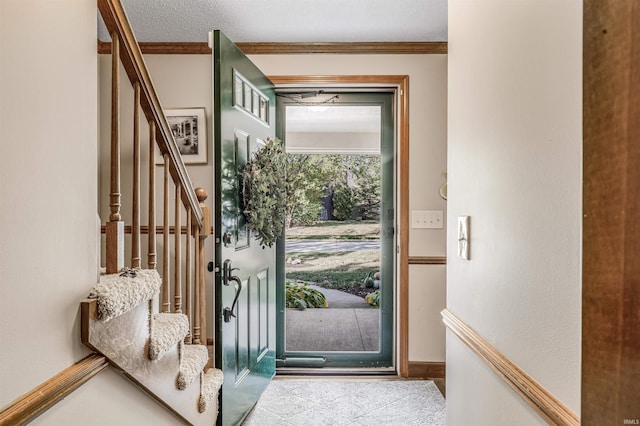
116,294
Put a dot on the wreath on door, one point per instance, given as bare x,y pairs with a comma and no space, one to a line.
263,192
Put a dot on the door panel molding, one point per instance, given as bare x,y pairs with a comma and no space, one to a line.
243,332
401,83
262,334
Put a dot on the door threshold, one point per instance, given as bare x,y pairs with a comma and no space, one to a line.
387,372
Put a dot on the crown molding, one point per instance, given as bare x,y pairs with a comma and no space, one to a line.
367,48
373,48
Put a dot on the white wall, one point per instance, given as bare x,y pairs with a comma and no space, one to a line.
515,141
48,177
48,204
121,402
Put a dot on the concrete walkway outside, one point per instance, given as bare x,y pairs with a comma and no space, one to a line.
329,329
348,324
341,299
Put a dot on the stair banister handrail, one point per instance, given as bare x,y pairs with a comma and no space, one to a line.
131,56
126,51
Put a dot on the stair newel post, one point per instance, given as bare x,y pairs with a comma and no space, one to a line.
187,275
166,305
115,226
177,270
196,290
135,218
151,250
202,195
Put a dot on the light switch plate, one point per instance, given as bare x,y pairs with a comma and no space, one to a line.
427,219
463,237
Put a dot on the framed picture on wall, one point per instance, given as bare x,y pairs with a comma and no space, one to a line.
189,129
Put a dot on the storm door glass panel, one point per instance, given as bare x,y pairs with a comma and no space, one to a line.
340,232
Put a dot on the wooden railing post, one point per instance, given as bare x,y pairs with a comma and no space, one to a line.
196,288
187,276
202,195
166,305
115,226
135,217
151,250
177,270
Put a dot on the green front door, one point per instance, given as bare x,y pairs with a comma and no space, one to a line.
244,117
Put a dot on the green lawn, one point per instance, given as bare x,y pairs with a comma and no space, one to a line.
336,230
343,270
337,270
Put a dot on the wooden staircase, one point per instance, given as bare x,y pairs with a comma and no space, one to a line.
138,318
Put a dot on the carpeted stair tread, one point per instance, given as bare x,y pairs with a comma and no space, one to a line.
210,384
116,294
193,359
167,330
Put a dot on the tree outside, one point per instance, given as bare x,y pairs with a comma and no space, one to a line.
331,187
332,198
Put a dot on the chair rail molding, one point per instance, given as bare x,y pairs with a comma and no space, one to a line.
427,260
41,398
550,408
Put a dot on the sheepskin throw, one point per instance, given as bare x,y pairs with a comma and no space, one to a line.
210,384
116,294
192,362
167,330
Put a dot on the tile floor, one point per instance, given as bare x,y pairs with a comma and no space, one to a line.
341,402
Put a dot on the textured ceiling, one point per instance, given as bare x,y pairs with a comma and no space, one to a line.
287,20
